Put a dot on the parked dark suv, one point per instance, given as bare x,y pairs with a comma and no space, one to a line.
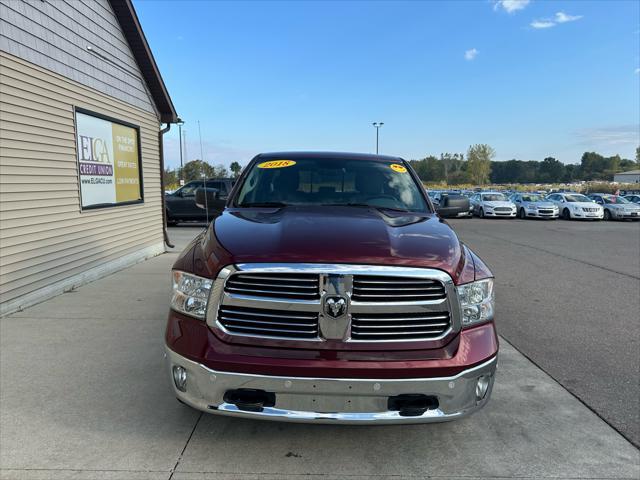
181,204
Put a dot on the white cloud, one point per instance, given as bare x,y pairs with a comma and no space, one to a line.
510,6
620,135
637,71
470,54
562,17
542,24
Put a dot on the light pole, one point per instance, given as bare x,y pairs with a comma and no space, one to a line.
180,123
377,126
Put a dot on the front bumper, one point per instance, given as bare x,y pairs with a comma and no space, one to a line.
582,215
500,214
332,400
622,215
542,214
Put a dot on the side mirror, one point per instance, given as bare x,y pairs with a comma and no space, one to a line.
205,197
452,206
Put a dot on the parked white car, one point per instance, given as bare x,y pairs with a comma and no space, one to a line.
576,205
492,204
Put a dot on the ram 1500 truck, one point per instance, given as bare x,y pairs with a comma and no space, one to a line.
329,291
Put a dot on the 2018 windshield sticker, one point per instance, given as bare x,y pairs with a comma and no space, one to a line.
276,164
398,168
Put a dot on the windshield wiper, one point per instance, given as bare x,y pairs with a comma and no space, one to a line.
264,204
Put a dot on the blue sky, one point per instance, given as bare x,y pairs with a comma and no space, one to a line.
532,79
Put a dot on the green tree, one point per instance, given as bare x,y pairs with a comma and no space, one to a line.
220,171
195,169
451,163
170,176
479,163
429,169
235,168
551,170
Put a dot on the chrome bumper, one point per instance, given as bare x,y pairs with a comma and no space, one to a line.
332,400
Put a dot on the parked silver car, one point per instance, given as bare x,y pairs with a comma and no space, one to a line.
616,207
534,205
492,204
633,198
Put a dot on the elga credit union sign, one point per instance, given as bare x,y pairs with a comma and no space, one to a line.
108,161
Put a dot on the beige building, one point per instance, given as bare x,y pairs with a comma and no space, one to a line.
632,176
82,105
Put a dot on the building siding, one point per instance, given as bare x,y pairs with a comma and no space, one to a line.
627,177
55,34
45,238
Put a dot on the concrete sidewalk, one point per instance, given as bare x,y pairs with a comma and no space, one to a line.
83,395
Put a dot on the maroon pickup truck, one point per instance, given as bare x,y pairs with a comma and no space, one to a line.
329,291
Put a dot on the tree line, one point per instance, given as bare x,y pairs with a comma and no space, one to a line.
478,167
196,169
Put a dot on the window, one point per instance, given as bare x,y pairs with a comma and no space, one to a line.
332,181
221,186
189,190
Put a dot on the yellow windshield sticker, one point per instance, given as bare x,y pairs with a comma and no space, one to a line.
398,168
276,164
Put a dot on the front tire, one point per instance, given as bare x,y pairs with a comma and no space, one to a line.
607,215
566,214
523,214
481,213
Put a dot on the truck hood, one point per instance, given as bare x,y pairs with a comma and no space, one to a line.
338,235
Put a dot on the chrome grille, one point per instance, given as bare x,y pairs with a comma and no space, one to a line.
271,323
400,326
288,302
276,285
372,288
545,211
502,209
589,209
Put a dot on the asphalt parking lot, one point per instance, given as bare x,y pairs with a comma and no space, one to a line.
84,394
568,296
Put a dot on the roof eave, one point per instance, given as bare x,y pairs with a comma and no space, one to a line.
128,20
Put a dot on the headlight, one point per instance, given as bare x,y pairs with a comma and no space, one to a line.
476,302
190,294
531,207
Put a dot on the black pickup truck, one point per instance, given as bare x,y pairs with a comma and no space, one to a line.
181,204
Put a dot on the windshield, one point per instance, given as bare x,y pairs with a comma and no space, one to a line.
494,197
576,197
614,199
532,197
316,181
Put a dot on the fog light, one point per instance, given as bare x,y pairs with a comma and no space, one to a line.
482,386
180,378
